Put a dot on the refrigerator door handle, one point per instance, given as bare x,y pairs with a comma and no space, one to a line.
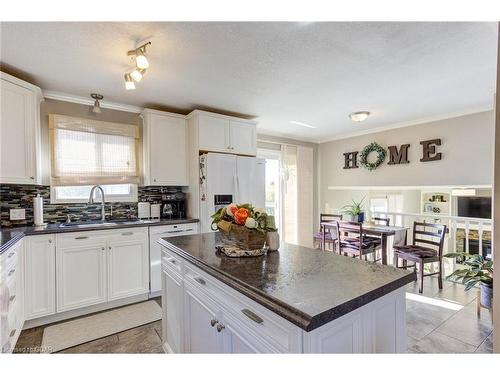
236,189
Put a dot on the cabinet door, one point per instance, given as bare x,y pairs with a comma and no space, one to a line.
168,150
17,134
81,273
128,266
201,318
213,134
236,341
243,138
39,276
174,311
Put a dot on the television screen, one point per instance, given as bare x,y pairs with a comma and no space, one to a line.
474,207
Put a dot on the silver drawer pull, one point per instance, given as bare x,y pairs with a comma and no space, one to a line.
12,333
252,316
220,327
127,233
11,272
175,231
200,280
213,322
173,261
81,238
10,255
12,298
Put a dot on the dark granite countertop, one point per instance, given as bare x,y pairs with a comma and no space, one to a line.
9,236
306,286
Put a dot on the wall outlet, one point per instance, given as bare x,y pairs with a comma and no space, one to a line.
17,214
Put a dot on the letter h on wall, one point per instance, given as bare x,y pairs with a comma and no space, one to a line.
350,160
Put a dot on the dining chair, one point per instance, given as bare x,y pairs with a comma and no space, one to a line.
382,220
427,247
353,242
326,235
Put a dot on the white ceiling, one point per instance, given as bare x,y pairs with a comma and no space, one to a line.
316,73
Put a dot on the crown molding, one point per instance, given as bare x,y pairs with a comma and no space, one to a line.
408,187
440,117
89,101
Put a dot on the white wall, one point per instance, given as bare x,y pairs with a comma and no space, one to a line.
467,147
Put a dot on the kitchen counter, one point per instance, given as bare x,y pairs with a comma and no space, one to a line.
307,287
9,236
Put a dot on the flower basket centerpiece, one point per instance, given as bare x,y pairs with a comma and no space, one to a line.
243,229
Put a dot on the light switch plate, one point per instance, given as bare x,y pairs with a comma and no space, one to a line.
17,214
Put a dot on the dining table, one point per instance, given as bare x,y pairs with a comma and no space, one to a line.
371,229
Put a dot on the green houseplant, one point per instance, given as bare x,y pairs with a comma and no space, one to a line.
354,211
479,270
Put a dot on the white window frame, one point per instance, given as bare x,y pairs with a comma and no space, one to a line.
122,198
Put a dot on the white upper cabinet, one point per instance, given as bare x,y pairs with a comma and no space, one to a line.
213,134
20,161
220,133
165,148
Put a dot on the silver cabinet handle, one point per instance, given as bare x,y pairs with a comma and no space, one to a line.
12,298
78,238
11,272
252,316
50,241
200,280
220,327
103,248
175,231
32,177
213,322
10,255
12,333
127,233
109,247
173,261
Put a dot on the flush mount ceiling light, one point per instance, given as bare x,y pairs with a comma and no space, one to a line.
141,63
302,124
359,116
129,84
97,106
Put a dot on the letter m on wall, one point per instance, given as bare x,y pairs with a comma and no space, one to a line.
398,156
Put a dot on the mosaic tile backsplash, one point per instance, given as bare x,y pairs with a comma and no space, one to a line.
21,196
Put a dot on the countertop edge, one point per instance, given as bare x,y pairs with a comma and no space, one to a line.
22,232
291,314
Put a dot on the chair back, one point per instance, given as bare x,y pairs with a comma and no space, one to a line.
429,234
347,228
382,220
329,218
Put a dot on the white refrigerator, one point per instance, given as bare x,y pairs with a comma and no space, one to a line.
228,179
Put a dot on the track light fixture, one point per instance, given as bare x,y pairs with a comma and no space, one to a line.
129,84
97,106
141,63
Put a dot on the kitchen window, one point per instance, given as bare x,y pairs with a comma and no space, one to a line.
87,152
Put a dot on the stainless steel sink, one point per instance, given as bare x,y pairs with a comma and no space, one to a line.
97,224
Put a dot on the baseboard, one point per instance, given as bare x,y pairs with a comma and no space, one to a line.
155,294
84,311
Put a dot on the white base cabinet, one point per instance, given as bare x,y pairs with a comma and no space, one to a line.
11,297
215,318
99,266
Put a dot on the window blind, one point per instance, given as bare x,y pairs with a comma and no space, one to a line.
89,152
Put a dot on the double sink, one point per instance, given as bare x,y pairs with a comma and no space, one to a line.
99,223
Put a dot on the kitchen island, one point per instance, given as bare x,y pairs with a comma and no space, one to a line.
295,300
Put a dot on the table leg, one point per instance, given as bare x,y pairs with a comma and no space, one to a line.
384,248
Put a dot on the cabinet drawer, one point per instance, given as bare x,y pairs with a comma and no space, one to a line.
171,261
9,259
281,334
175,229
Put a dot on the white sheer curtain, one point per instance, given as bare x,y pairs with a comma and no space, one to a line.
88,152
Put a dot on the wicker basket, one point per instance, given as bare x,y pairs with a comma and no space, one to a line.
241,237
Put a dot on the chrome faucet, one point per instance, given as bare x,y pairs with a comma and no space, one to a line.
91,200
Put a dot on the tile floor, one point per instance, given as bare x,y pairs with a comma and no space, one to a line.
437,322
446,321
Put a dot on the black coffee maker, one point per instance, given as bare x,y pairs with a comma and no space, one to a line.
173,205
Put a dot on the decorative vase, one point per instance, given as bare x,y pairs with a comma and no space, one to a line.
361,217
273,241
486,295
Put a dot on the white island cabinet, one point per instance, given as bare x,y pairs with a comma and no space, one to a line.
205,315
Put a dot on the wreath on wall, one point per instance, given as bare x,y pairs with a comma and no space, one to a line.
363,156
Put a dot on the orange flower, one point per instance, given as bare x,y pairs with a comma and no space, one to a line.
240,216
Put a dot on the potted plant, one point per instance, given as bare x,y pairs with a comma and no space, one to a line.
244,227
479,270
354,211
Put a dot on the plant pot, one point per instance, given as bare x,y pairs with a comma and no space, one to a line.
486,295
360,217
273,241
